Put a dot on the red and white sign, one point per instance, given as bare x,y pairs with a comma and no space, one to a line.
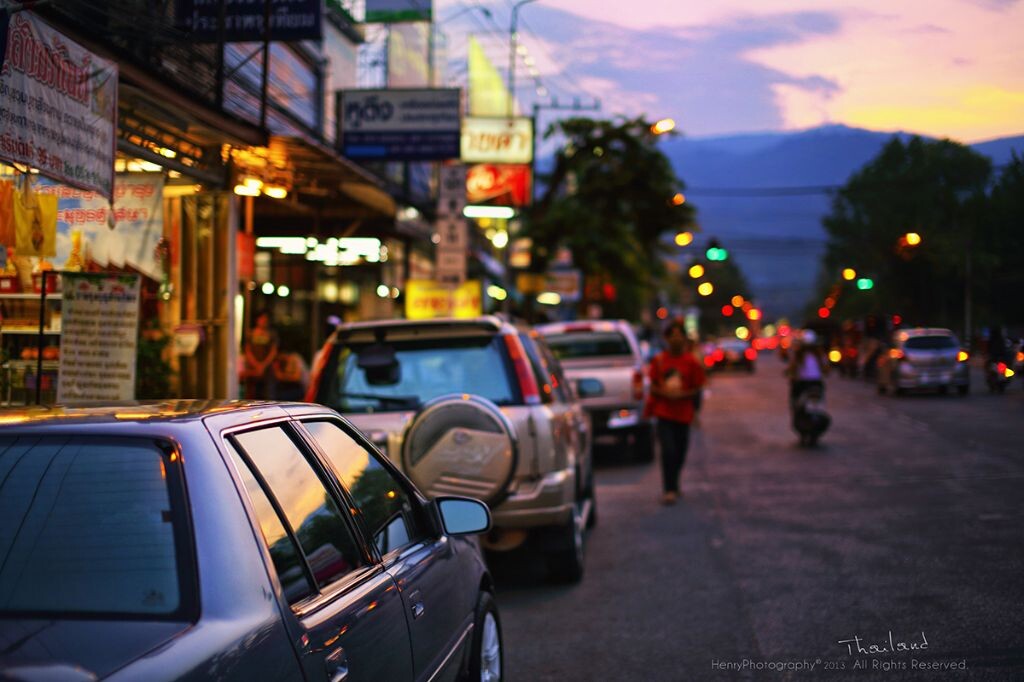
499,184
58,107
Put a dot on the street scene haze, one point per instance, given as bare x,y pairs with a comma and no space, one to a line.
527,340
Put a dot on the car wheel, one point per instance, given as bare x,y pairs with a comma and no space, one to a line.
643,443
963,390
486,663
588,494
943,390
565,565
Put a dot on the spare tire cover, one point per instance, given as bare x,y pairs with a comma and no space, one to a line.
461,444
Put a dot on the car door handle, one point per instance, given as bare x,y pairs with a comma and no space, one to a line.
337,665
416,604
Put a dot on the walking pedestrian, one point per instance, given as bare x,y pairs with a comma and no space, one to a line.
676,381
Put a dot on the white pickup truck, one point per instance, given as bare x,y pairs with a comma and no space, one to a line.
604,361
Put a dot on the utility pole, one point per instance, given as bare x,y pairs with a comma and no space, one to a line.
513,45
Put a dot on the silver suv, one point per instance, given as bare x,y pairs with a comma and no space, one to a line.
603,358
924,358
474,407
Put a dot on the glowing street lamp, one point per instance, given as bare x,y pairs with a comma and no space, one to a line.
696,271
684,239
849,274
663,126
705,289
737,301
678,199
912,238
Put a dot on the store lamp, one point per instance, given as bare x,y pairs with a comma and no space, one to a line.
246,191
276,192
499,212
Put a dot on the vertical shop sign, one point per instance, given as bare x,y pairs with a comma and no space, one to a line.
58,107
452,230
99,337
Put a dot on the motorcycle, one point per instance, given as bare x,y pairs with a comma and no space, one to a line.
810,419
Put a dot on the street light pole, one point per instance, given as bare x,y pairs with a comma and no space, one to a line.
513,45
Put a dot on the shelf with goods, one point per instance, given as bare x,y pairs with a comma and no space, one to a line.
30,329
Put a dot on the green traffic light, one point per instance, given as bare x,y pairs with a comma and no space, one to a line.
865,283
716,253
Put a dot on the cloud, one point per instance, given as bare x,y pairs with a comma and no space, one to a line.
705,77
994,5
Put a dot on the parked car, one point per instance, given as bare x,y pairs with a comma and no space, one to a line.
604,360
419,388
924,358
231,541
732,354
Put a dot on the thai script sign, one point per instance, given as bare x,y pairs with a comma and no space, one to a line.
99,336
497,140
58,107
125,234
243,19
400,124
425,299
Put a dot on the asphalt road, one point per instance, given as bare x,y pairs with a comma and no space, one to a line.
905,520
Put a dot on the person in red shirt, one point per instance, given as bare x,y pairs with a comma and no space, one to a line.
676,380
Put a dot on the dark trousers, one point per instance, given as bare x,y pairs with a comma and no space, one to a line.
674,438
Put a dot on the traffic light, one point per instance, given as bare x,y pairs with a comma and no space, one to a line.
865,283
715,252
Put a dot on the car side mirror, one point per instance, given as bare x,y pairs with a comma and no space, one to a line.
463,515
589,388
380,365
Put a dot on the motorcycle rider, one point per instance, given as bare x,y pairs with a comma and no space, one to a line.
807,367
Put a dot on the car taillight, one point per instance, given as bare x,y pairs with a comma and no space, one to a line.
1008,373
962,356
896,354
709,361
638,385
317,373
1001,367
527,382
1020,356
719,355
575,328
750,354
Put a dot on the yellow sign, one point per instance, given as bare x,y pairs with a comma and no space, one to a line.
426,299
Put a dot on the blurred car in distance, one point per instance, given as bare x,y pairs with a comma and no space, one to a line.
606,362
923,358
196,540
475,407
732,354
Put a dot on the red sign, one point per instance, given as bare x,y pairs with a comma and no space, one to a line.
499,184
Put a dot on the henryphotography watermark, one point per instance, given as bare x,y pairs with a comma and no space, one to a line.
857,654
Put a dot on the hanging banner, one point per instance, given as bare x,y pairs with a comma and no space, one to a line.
426,299
290,20
400,125
496,184
99,337
392,11
58,107
88,231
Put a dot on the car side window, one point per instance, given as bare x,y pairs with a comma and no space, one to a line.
305,505
386,505
562,387
283,552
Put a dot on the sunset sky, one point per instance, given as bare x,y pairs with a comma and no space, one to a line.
951,68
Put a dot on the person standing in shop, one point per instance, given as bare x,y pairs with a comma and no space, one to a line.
260,352
676,381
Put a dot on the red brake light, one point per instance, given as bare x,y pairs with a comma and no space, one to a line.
750,354
1001,367
708,360
719,355
638,385
896,354
572,328
527,382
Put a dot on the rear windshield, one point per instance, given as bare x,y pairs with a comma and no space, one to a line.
588,345
90,527
426,370
930,343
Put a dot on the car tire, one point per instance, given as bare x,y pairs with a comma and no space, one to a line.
643,443
486,655
963,390
588,494
565,565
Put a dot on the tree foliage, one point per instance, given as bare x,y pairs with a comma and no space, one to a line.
609,200
933,188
